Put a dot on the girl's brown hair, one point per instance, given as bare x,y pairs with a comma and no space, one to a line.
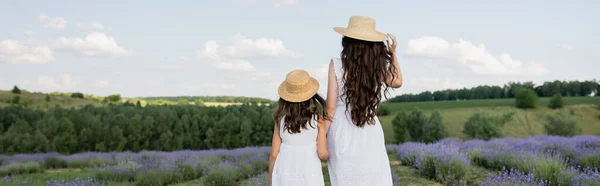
367,66
298,116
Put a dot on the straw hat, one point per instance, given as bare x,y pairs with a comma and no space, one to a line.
362,28
298,86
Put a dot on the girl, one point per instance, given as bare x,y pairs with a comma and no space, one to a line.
299,141
357,81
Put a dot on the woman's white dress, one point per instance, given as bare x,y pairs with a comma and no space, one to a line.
357,156
297,163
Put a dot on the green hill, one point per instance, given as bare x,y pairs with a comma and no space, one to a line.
525,123
38,100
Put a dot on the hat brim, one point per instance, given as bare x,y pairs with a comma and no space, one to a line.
374,36
299,97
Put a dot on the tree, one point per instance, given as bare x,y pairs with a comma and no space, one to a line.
65,140
556,102
16,90
400,127
416,120
199,102
77,95
484,126
138,103
383,110
526,99
114,98
562,124
183,102
434,130
47,98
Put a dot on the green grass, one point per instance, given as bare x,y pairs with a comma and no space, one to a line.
525,122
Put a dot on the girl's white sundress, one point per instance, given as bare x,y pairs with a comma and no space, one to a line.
297,163
357,156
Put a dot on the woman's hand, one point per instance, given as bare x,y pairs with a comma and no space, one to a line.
392,46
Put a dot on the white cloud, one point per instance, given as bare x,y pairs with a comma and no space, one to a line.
566,46
260,75
247,1
183,58
92,27
227,86
103,84
239,47
93,44
235,65
233,54
55,23
320,72
16,52
476,58
63,81
282,3
29,32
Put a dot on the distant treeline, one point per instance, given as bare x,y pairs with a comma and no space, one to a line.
221,99
548,89
133,128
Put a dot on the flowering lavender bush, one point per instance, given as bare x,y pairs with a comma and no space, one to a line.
259,180
513,177
442,161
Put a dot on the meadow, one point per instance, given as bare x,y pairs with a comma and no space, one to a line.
537,160
527,122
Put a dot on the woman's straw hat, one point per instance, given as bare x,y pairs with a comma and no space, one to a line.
362,28
298,86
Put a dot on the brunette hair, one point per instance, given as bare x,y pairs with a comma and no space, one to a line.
367,65
298,116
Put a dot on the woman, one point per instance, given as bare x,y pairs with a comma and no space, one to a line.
365,70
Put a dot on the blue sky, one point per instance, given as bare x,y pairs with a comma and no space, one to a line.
245,47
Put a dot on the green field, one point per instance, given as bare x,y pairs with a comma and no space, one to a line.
38,100
525,122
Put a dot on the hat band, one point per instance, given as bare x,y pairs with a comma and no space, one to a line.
298,89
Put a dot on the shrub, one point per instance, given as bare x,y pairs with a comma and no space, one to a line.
556,102
400,126
526,99
561,124
224,173
156,177
16,90
54,163
442,163
21,168
383,110
484,126
16,100
434,130
415,122
589,160
77,95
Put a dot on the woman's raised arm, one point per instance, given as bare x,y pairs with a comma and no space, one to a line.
394,80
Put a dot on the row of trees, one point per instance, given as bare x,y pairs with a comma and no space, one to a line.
134,128
547,89
220,99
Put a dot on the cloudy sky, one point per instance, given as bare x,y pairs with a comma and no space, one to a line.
245,47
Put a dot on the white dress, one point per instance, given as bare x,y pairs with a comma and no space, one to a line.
357,156
297,163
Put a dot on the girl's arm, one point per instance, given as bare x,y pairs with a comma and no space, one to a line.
276,142
391,81
332,93
322,139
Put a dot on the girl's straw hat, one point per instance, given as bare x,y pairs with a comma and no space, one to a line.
362,28
298,87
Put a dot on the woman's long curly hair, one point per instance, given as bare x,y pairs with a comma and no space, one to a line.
367,65
298,116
